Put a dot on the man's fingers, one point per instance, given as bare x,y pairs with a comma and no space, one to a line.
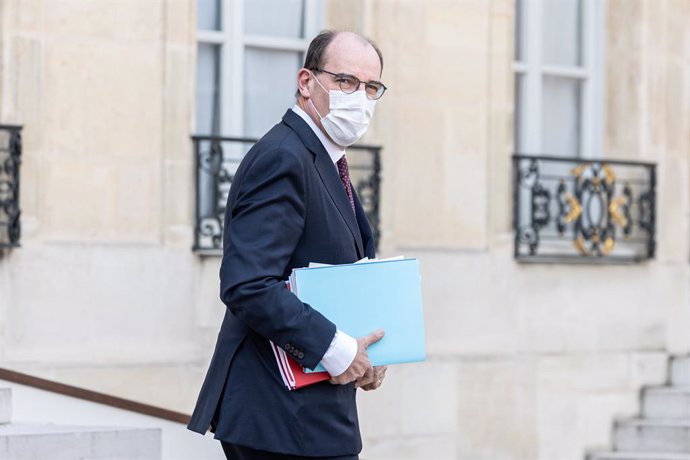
373,337
365,379
368,374
371,379
379,374
361,383
373,385
360,371
340,380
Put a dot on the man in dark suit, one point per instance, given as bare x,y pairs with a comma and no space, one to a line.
292,203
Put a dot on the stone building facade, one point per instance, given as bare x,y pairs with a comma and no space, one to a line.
525,361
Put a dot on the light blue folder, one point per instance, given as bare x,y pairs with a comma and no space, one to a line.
360,298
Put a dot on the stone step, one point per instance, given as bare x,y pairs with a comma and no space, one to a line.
653,435
637,456
5,405
680,370
24,441
666,402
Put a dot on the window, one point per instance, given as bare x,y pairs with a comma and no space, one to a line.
558,77
249,52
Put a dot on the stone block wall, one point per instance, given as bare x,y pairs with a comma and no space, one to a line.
525,362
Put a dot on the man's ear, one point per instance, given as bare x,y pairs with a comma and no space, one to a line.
303,78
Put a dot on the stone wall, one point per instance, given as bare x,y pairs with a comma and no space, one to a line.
525,362
105,292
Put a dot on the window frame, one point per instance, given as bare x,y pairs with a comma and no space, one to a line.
232,43
528,131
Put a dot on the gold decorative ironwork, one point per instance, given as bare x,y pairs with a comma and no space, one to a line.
575,208
579,169
615,212
610,176
588,206
608,246
580,246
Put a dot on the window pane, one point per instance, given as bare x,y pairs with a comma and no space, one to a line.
270,83
519,30
208,14
562,29
282,18
207,89
561,114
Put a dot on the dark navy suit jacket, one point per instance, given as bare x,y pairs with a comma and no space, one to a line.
287,207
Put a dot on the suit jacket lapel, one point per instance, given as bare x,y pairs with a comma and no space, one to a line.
328,173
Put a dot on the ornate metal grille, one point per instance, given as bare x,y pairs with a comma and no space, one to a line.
579,210
10,159
216,161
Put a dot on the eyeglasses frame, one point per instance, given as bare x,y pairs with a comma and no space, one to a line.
359,83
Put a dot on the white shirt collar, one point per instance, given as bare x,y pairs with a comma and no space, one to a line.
335,151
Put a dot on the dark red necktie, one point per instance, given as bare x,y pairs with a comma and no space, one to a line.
344,172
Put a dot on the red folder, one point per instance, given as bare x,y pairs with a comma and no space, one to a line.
291,372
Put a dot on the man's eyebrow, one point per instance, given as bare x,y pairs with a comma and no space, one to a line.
346,74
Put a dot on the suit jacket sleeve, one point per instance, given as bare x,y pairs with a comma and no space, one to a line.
261,234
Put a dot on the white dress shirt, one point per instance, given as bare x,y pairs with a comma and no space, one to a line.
343,348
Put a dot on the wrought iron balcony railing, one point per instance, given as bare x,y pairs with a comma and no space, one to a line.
581,210
216,161
10,159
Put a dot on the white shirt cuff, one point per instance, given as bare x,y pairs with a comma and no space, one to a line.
340,353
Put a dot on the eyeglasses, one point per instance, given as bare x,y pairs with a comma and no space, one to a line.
349,84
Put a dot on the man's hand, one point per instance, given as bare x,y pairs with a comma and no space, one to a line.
375,382
360,367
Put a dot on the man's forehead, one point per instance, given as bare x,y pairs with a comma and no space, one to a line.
352,53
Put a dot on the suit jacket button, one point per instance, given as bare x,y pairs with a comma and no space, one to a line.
288,346
300,355
295,353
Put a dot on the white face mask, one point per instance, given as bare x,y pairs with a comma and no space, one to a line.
348,117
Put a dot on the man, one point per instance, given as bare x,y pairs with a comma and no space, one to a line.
292,203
